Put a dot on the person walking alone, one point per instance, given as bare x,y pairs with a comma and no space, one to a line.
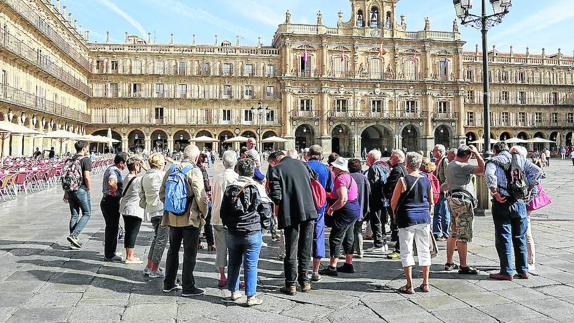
149,199
185,227
112,189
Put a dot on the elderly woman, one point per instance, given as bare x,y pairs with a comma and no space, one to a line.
342,214
411,204
220,183
130,208
242,211
149,200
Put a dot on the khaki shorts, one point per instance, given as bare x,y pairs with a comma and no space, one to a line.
461,219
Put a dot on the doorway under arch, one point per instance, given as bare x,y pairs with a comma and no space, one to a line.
136,141
410,136
180,140
442,136
341,141
304,137
158,140
377,137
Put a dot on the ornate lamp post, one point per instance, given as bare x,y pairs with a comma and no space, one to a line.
260,112
483,22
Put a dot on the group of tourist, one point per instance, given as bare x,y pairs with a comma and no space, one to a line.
302,197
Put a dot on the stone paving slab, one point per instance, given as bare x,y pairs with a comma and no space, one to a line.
42,280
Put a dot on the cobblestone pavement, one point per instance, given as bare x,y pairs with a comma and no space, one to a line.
41,280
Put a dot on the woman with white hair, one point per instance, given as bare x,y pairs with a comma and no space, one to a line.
411,203
149,200
220,183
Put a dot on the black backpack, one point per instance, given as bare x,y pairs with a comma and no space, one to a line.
239,201
516,181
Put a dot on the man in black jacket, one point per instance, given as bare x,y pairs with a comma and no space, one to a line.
377,175
290,190
398,170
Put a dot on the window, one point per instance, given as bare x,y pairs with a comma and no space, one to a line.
360,19
114,90
374,18
182,91
226,115
504,76
341,105
270,70
115,66
306,105
377,106
227,91
570,117
470,96
248,70
247,115
270,116
270,91
554,117
443,107
100,66
137,67
521,77
227,69
160,67
469,118
538,117
555,98
136,90
410,106
505,118
181,68
504,96
522,117
522,97
248,90
159,90
159,113
206,69
469,75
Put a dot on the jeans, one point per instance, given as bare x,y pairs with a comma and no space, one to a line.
133,225
243,248
441,219
110,207
298,241
79,201
159,241
510,225
319,236
378,220
190,237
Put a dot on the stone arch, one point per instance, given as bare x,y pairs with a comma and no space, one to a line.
568,140
377,137
136,140
180,140
304,136
267,134
223,136
102,147
410,138
539,146
158,140
442,135
470,137
208,145
249,134
341,140
554,137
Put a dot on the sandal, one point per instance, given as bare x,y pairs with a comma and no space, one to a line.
450,267
406,289
467,271
424,288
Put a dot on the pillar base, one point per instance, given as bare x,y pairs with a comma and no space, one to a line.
483,196
290,144
325,143
427,145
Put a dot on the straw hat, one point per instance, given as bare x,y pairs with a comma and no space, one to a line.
341,163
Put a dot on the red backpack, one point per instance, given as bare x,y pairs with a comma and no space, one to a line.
317,190
435,185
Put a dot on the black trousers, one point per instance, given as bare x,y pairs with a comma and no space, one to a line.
298,245
190,237
208,229
342,236
394,231
110,207
133,224
378,220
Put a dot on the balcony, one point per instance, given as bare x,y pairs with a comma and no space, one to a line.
31,55
369,115
445,116
29,14
304,115
30,101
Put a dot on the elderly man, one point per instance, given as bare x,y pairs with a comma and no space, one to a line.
220,183
398,170
252,151
377,176
461,202
509,210
185,227
290,191
441,219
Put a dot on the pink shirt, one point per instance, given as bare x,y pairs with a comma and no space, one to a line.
345,180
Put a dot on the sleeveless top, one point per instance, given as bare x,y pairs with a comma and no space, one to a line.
414,206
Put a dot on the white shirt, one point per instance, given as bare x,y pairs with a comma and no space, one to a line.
572,154
220,183
253,153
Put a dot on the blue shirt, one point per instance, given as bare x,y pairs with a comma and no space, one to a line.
495,176
112,172
325,177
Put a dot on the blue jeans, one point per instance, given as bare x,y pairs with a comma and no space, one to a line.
319,236
441,219
79,201
243,248
510,225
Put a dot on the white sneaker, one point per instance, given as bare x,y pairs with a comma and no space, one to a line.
531,268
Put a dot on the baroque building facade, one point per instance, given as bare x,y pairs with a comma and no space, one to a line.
366,83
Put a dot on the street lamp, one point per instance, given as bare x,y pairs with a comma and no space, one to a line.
483,22
260,111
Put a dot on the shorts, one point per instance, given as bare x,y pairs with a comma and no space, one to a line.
461,218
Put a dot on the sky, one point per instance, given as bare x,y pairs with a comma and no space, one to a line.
535,24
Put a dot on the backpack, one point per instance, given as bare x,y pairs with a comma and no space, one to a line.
516,181
236,205
176,195
435,185
317,190
72,176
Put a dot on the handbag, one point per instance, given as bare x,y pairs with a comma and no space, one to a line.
541,200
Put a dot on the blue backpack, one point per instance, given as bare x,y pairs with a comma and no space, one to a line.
176,190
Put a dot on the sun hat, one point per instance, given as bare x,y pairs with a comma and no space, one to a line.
341,163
